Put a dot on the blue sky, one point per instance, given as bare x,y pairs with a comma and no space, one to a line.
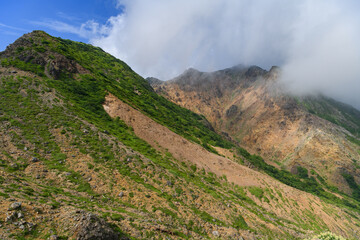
18,17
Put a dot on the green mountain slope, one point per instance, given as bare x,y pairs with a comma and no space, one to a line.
68,169
98,74
336,112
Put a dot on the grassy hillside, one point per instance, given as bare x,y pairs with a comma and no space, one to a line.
42,129
102,73
63,157
336,112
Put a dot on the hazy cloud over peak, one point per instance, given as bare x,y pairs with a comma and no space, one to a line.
315,42
324,55
162,38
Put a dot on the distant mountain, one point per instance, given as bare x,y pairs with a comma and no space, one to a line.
88,150
154,81
249,105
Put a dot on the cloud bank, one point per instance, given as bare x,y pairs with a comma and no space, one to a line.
89,30
162,38
324,55
315,42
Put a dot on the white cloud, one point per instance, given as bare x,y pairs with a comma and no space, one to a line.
325,53
162,38
67,16
11,27
315,42
118,4
88,30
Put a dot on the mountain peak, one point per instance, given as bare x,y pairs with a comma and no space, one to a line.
274,73
154,81
255,71
36,33
27,40
190,71
274,69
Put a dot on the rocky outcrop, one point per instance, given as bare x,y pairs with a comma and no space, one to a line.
53,64
61,64
232,111
91,227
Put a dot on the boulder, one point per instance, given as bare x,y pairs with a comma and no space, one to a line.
15,206
10,217
216,234
91,227
53,237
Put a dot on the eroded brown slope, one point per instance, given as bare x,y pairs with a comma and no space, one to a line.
162,138
248,105
286,202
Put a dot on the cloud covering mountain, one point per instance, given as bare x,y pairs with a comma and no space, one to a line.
162,38
315,42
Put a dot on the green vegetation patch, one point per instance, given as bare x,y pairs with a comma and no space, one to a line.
302,172
309,185
336,112
353,185
108,74
240,223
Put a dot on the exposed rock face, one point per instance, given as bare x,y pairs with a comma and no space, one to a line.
15,206
233,110
92,227
251,107
53,63
57,66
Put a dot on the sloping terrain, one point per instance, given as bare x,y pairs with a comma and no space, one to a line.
89,151
163,139
249,106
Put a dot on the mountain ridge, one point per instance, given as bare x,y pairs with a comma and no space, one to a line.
249,104
68,164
